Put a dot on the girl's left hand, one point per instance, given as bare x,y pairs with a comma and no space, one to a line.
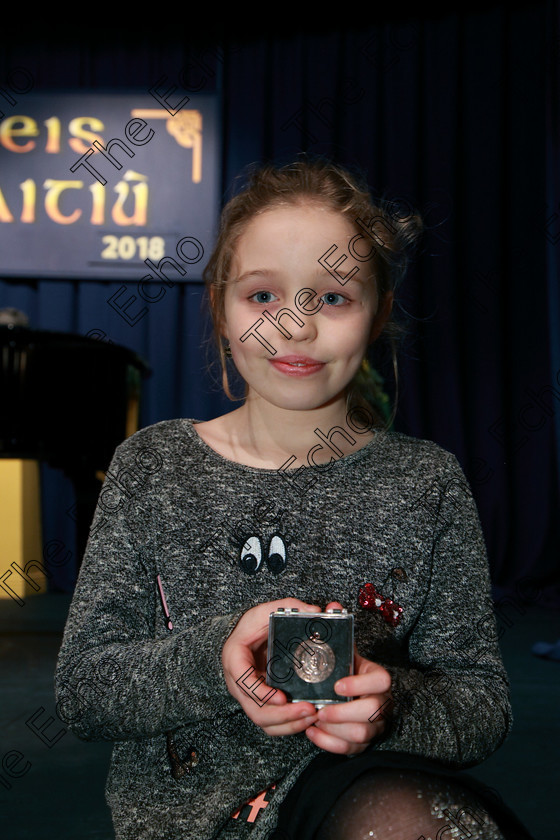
346,727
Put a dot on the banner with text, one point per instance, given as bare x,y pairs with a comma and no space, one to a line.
98,186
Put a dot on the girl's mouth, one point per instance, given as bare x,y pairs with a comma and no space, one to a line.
297,365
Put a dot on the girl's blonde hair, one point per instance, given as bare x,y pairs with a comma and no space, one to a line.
392,231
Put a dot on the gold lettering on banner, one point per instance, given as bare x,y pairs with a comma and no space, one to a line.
76,129
140,200
24,126
186,128
21,134
29,190
54,189
53,136
8,130
5,215
98,206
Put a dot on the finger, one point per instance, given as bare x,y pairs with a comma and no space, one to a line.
252,627
251,683
375,680
332,743
290,727
240,664
361,663
285,720
253,686
356,711
353,733
334,605
286,603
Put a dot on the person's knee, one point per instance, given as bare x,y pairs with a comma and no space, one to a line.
401,805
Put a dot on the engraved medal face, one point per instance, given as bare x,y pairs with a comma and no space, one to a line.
317,661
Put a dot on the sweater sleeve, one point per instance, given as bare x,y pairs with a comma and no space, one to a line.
452,700
114,680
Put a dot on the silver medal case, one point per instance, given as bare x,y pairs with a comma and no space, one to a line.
309,652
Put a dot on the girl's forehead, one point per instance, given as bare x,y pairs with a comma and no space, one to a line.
295,240
295,225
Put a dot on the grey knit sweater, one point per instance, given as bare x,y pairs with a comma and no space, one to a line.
397,513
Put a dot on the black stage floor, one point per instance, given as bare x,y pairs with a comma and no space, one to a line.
60,792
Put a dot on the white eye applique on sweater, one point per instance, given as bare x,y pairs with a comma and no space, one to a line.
252,555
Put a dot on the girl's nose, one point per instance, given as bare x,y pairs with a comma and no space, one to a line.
307,331
292,324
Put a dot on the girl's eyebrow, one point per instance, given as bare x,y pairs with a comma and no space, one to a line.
255,272
321,276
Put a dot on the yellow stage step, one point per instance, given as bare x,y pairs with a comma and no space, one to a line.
21,554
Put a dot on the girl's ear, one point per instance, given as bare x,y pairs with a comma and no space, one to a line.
382,316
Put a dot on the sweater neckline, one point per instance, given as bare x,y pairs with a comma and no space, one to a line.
189,424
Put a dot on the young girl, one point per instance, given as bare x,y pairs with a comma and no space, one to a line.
300,498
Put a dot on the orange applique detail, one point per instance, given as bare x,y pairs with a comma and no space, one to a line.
258,803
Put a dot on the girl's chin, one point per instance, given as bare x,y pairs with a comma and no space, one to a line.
303,402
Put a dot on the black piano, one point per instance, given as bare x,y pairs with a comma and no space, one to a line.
68,400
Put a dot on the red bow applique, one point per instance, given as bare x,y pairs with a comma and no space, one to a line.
370,599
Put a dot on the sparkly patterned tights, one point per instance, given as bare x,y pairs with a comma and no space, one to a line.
398,805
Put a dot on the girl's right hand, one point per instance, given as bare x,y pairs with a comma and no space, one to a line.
244,660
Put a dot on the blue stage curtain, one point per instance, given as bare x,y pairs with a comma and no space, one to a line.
553,204
443,111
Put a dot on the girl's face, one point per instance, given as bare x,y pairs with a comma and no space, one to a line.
306,347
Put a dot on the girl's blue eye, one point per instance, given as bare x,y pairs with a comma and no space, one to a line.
261,297
333,299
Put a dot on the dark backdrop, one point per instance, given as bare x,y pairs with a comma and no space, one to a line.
445,111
